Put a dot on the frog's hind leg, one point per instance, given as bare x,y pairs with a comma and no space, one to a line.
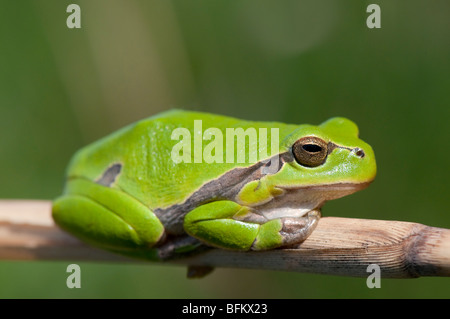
108,218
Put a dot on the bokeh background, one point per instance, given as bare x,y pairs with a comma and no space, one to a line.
292,61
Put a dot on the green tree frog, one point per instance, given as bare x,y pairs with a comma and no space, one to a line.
127,194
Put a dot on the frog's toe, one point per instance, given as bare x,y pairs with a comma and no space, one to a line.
194,271
296,229
285,231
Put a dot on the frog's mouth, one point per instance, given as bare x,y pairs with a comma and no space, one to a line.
297,202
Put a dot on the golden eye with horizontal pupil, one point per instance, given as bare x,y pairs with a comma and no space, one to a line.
310,151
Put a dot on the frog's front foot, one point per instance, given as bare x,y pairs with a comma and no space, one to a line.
226,224
286,231
296,229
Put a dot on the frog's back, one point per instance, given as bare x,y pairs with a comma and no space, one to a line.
142,152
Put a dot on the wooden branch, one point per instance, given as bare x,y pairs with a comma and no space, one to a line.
338,246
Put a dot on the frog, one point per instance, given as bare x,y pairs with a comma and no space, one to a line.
128,194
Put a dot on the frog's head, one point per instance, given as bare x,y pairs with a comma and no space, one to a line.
322,163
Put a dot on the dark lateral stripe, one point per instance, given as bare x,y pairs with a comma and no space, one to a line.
110,175
225,187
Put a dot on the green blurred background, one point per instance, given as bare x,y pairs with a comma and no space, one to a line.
291,61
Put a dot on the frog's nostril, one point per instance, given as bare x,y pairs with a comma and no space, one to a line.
359,152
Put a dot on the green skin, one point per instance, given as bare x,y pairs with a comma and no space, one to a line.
125,193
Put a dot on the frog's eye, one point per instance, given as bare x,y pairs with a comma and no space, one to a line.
310,151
